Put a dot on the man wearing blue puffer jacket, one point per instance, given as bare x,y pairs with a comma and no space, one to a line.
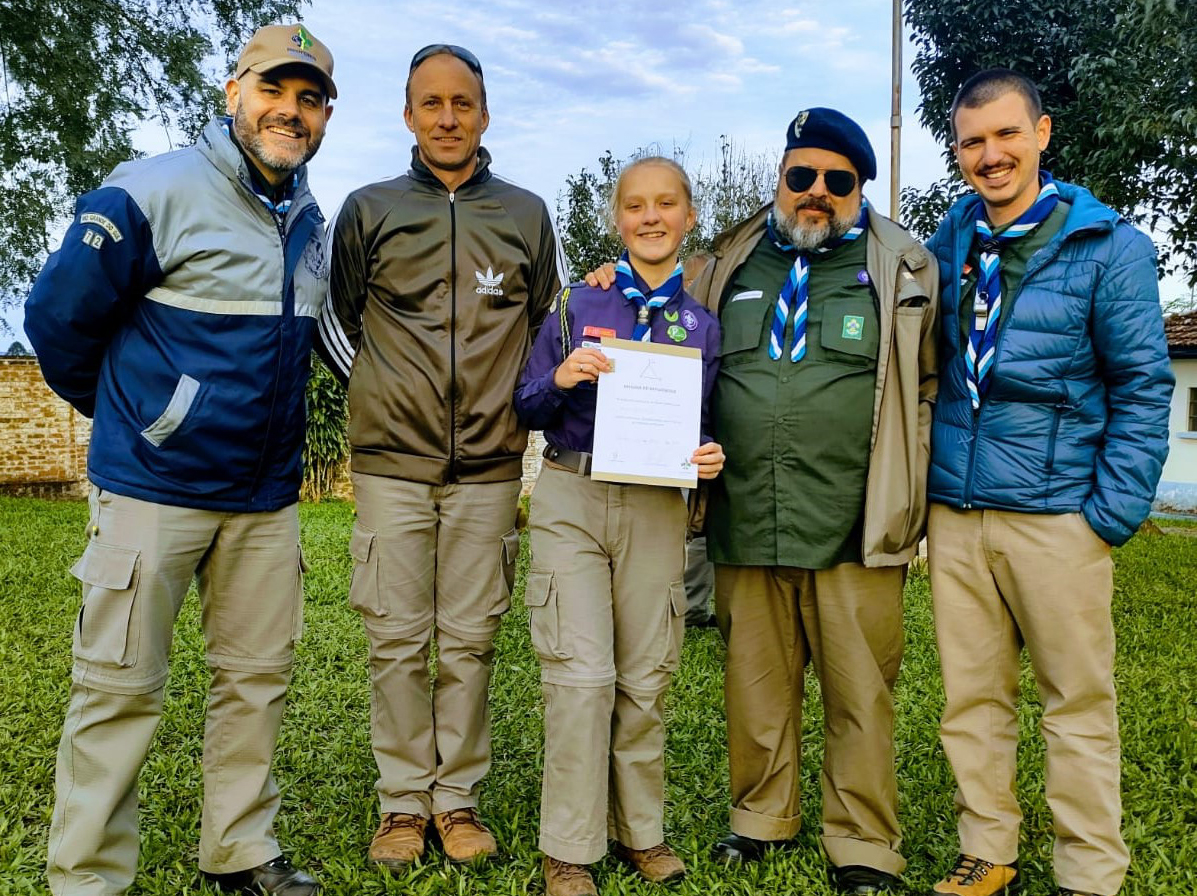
179,312
1048,440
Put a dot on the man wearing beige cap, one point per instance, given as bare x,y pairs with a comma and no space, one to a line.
179,313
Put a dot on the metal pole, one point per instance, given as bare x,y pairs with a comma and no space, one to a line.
895,119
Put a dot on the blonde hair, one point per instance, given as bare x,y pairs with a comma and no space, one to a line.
665,162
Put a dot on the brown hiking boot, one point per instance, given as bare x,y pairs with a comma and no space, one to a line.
399,841
657,864
976,877
463,835
567,879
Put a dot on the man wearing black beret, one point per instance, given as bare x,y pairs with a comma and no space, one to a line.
823,404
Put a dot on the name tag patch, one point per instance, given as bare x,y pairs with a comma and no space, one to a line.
598,332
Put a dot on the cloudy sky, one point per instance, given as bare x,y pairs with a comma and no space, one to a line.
566,82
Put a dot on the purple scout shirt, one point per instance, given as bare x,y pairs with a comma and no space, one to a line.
567,415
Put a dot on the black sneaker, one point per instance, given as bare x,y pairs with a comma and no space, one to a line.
278,876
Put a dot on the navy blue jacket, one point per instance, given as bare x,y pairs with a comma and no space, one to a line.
1076,417
180,314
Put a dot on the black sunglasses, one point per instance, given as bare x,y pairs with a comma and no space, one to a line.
839,182
453,50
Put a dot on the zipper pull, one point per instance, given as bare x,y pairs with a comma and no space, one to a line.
451,195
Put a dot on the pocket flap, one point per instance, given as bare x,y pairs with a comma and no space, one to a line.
850,326
361,542
677,598
538,589
511,546
106,566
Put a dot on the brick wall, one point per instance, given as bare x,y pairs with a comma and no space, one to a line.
43,440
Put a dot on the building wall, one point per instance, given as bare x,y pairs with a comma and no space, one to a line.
1178,487
43,440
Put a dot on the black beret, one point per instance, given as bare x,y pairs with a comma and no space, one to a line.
831,130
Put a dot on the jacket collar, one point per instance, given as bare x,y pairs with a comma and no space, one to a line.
218,148
421,172
1085,212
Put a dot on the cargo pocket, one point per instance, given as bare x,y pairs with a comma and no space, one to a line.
675,627
364,595
540,596
511,552
297,618
105,632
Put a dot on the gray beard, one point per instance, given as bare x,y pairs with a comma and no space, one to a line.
251,141
805,238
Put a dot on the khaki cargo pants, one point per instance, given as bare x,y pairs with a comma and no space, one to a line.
848,621
1001,581
139,562
431,558
606,607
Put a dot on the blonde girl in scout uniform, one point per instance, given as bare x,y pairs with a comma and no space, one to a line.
605,594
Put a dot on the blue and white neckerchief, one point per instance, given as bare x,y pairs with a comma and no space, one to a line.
625,282
279,208
987,304
795,290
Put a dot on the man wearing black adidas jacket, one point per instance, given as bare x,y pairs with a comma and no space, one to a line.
440,278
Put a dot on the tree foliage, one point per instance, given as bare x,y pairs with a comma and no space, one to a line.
79,78
724,194
1118,77
325,441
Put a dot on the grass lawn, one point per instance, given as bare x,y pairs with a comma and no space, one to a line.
326,770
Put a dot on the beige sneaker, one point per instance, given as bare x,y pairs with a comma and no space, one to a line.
399,841
567,879
463,835
976,877
657,864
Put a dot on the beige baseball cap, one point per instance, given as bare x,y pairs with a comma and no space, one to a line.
276,45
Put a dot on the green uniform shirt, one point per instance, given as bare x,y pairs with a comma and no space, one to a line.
1014,257
796,435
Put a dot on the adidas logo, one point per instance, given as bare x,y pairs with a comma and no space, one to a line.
488,283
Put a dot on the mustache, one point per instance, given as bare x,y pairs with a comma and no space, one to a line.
816,202
291,123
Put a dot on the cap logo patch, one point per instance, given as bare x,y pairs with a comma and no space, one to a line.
799,122
301,38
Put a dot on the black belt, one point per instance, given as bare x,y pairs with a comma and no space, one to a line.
575,461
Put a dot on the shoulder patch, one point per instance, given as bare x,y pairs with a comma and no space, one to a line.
101,221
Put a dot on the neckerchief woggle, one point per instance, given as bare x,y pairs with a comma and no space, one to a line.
625,282
279,208
987,303
794,290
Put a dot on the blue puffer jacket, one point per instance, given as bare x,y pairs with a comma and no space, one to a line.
180,313
1076,417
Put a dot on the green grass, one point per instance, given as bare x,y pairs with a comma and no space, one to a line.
327,772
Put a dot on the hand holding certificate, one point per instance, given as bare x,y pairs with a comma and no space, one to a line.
649,413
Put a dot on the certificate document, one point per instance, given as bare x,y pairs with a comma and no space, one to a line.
647,422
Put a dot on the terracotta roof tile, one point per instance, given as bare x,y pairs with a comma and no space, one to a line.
1181,330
